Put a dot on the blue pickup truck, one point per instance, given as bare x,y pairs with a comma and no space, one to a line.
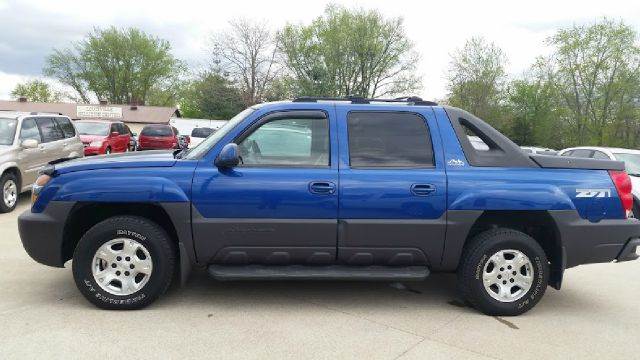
339,189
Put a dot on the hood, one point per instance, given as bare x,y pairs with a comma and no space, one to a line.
90,138
118,161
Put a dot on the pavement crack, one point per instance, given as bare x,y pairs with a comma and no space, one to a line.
507,322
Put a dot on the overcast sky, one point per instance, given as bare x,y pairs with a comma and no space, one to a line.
31,29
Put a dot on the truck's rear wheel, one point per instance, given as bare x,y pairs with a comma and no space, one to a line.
124,262
503,272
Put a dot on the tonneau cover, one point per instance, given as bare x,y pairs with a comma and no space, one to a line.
566,162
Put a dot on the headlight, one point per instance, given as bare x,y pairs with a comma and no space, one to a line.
96,144
38,186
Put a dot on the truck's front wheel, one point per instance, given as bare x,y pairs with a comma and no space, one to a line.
503,272
124,262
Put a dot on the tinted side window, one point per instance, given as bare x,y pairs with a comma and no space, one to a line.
66,127
581,153
379,139
121,129
600,155
29,130
49,130
293,142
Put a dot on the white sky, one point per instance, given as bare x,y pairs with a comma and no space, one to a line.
30,29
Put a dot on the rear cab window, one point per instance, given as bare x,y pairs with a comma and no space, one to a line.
389,140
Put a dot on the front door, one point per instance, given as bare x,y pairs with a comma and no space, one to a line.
280,205
392,189
31,160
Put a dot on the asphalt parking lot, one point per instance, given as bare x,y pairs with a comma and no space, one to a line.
42,315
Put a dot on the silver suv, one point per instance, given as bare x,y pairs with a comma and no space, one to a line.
27,143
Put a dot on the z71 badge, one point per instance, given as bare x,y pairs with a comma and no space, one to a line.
591,193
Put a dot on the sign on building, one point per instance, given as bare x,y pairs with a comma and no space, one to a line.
97,111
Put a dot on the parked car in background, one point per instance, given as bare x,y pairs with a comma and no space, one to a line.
133,140
28,143
200,133
103,137
630,157
159,137
189,126
538,150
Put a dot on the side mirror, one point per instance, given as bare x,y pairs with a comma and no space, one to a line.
228,156
114,134
30,144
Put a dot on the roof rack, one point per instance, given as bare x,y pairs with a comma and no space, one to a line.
412,100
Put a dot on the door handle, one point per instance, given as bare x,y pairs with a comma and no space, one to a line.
422,189
322,187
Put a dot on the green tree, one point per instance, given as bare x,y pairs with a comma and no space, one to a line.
534,109
597,67
36,91
476,79
350,52
210,96
121,66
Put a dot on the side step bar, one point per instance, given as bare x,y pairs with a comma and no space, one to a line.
332,272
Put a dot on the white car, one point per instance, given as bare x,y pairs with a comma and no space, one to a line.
630,157
538,150
196,129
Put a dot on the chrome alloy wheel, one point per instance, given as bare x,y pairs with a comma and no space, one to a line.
508,275
10,193
122,266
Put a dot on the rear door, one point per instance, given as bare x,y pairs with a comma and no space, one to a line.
71,144
52,138
392,188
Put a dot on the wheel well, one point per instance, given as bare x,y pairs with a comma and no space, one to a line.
14,170
537,224
84,216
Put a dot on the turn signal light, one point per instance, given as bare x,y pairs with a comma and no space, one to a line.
38,186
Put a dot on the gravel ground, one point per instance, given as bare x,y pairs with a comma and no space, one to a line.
42,315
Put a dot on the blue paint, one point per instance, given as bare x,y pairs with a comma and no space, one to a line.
252,192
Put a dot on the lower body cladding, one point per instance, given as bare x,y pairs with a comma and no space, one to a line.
404,244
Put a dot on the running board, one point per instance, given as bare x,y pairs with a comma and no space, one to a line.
332,272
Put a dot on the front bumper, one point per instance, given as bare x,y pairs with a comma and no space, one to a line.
88,151
42,234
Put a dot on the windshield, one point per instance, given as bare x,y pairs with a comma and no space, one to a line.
631,162
92,128
7,131
209,142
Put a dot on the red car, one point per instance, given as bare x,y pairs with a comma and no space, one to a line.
159,137
103,137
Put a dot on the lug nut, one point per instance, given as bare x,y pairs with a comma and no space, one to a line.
127,258
126,273
113,265
118,273
132,266
118,258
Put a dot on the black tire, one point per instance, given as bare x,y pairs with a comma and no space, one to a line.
5,178
147,233
476,255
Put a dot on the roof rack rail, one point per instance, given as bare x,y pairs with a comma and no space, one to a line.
413,100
